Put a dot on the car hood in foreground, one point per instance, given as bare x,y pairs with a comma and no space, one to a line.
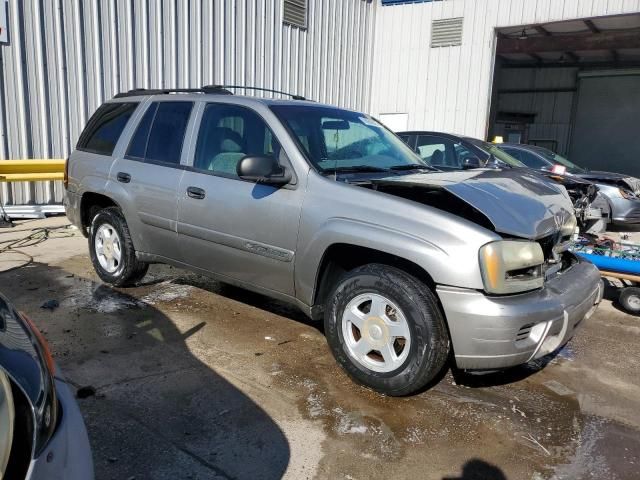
515,203
612,178
23,359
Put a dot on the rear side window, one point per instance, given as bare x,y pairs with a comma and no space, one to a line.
138,145
160,133
105,127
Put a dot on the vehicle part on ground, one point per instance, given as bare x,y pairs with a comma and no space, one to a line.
111,249
386,330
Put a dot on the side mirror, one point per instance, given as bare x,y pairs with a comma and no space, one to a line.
470,163
493,162
262,169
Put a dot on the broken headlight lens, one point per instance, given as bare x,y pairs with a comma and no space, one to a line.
511,266
628,194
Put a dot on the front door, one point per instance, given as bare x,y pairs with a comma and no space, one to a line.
149,174
241,230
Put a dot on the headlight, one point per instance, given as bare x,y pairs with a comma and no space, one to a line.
511,266
7,413
628,194
47,412
569,227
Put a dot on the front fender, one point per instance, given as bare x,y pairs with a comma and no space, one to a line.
453,264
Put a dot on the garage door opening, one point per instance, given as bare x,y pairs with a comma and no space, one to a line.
572,87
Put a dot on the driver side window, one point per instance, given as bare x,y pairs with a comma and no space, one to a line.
229,133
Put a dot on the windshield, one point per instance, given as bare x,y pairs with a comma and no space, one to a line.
334,139
493,149
557,158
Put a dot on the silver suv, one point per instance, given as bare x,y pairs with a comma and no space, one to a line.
327,209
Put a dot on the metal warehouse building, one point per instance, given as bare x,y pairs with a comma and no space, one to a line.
560,73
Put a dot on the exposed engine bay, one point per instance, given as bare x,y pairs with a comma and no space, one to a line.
592,210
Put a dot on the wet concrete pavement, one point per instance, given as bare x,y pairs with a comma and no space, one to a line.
195,379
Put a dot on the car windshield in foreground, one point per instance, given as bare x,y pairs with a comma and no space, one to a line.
497,153
336,140
557,158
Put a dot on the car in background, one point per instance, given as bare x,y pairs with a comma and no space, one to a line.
42,433
621,191
448,152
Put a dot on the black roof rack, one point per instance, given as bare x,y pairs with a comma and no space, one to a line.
216,89
270,90
159,91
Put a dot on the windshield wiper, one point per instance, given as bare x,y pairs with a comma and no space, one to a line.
412,166
355,168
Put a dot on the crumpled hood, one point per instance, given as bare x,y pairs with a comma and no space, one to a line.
517,203
611,177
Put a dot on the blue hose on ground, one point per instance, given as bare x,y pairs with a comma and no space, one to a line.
613,264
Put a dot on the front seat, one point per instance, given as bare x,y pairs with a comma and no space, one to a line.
437,157
230,150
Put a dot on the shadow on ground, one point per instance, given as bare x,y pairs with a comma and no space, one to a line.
476,469
158,412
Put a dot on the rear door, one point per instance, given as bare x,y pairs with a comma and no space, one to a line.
148,175
235,228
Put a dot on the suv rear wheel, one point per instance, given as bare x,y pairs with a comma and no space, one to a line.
111,249
386,330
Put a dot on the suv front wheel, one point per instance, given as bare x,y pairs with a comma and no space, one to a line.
386,330
111,249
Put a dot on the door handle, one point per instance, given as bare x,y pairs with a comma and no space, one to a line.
123,177
195,192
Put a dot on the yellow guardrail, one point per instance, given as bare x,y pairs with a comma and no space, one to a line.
31,170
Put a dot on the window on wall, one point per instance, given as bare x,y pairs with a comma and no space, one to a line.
295,13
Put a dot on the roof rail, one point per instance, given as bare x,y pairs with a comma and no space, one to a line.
159,91
216,89
260,89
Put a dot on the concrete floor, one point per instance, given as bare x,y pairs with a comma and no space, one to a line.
200,380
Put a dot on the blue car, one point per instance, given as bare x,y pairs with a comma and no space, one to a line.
42,433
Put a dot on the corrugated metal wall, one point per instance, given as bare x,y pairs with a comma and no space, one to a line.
65,57
553,109
449,88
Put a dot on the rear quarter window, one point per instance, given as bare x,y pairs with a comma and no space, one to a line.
105,127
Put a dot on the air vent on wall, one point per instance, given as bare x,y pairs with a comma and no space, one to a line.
446,32
295,13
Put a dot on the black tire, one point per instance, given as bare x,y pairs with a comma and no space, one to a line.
130,270
630,299
429,346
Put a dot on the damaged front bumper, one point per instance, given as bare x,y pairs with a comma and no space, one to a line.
499,332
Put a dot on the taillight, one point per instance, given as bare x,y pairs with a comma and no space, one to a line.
66,173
